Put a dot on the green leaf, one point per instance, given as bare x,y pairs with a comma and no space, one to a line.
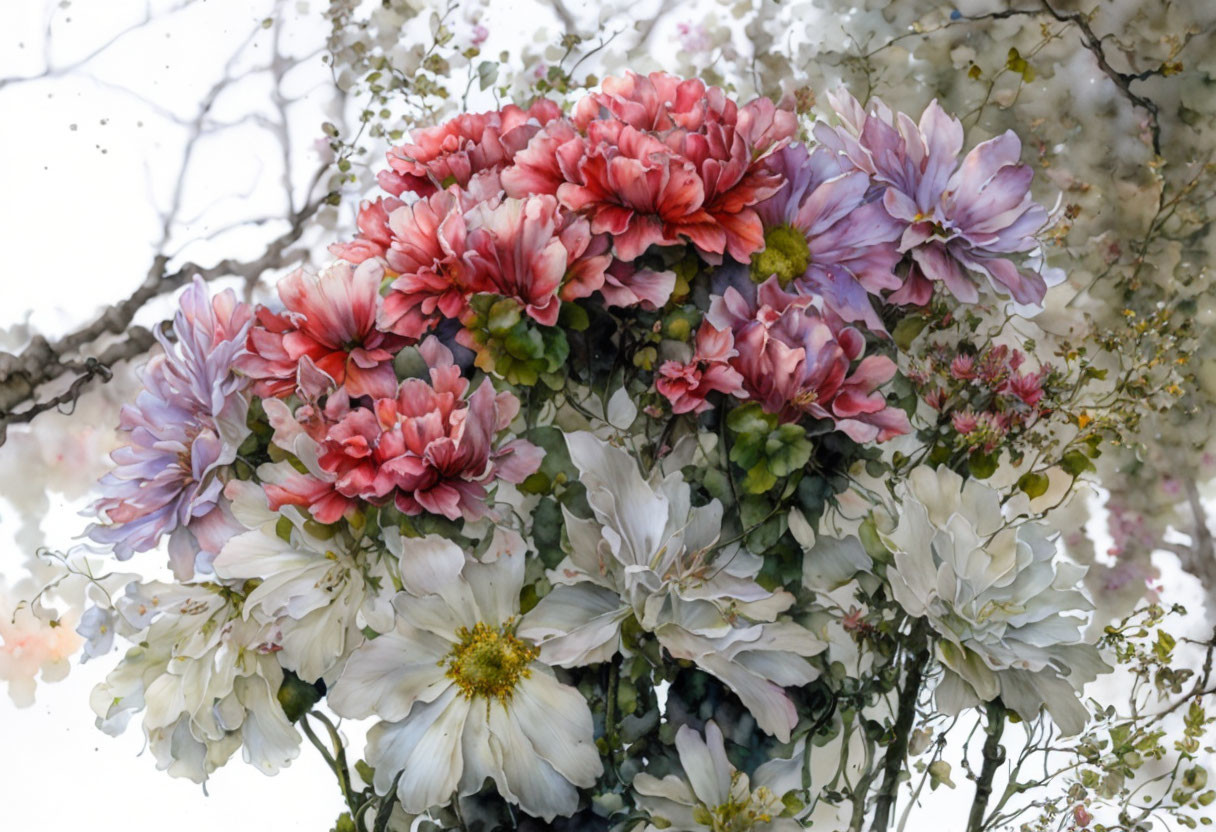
906,330
1034,484
750,419
487,74
572,316
1075,463
787,449
547,524
759,478
982,466
504,314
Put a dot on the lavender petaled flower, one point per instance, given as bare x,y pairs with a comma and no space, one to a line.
184,428
959,217
824,233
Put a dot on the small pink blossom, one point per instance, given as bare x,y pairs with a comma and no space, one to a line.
964,421
962,367
687,385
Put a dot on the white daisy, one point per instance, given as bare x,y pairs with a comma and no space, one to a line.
462,697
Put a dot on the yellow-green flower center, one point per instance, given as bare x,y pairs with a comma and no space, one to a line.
742,813
489,661
786,254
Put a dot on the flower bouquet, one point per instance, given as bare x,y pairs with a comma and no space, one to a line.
634,461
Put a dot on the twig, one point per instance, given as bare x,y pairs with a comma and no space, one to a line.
994,755
893,760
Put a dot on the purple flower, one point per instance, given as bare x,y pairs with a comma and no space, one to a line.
959,217
822,233
184,429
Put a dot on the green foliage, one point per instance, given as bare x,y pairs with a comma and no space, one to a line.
512,346
765,450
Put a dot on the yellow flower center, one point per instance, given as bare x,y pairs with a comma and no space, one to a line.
785,254
489,661
742,813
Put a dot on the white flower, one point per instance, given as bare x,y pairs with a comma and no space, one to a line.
1010,617
206,679
647,555
713,795
318,592
461,696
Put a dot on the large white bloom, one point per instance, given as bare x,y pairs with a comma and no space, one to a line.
462,698
1009,615
316,592
206,679
648,555
712,796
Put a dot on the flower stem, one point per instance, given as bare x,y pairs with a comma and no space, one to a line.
905,715
994,755
610,737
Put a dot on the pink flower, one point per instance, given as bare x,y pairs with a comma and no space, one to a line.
936,398
30,646
964,421
628,285
656,102
632,186
429,448
526,248
429,252
330,319
535,169
1027,386
962,367
797,361
453,152
374,235
656,160
687,385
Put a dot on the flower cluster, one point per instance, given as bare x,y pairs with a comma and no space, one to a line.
563,475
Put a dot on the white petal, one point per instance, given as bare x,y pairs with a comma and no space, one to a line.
557,721
530,781
705,764
424,749
389,674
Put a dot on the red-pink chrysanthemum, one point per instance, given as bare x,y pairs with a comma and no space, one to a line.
330,319
428,448
453,152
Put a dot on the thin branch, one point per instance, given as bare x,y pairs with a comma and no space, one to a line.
994,755
893,760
